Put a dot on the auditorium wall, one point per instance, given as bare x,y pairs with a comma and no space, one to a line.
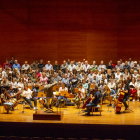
69,29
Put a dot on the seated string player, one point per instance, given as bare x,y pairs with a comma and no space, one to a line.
80,96
123,87
95,99
28,96
138,88
112,87
9,101
61,98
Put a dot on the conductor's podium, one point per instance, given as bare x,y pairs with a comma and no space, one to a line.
49,114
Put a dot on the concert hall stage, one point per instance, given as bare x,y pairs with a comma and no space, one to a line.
73,124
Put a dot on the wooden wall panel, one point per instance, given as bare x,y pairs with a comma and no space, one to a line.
75,29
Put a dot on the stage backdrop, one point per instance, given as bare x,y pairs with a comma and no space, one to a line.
75,29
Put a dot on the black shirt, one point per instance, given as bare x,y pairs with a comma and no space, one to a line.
56,67
95,101
40,66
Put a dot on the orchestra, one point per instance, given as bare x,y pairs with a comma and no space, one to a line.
92,82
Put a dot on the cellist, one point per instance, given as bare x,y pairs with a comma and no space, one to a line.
125,89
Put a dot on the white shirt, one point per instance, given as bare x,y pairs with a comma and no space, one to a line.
86,67
135,76
14,85
117,76
71,67
90,77
82,92
131,64
27,94
98,78
63,89
48,67
112,85
100,66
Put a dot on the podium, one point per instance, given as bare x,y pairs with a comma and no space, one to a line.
48,114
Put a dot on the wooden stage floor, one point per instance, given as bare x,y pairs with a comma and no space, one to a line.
71,116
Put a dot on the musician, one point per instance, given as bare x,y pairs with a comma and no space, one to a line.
62,88
28,96
8,100
95,99
80,96
48,90
112,87
102,89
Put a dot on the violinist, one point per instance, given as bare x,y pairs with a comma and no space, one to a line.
80,95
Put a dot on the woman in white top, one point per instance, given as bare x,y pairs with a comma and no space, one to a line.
117,75
125,74
28,96
14,84
90,76
21,84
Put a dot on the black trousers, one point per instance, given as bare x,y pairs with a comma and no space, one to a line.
30,103
126,97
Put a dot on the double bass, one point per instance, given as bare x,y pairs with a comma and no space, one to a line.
119,102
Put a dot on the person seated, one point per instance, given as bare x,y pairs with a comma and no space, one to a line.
86,66
94,66
133,88
9,98
41,65
71,66
79,67
33,78
73,82
28,96
102,66
112,88
135,67
5,82
109,66
34,66
81,95
85,86
16,65
98,77
36,86
55,78
118,66
20,84
102,89
64,66
60,98
25,66
6,65
56,66
138,88
126,66
26,78
104,79
82,75
95,99
90,76
65,80
135,74
14,84
38,74
130,62
48,66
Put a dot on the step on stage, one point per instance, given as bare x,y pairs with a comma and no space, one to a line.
74,124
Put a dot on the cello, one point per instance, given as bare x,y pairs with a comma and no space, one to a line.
119,102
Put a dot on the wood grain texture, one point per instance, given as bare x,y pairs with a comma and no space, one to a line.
58,29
